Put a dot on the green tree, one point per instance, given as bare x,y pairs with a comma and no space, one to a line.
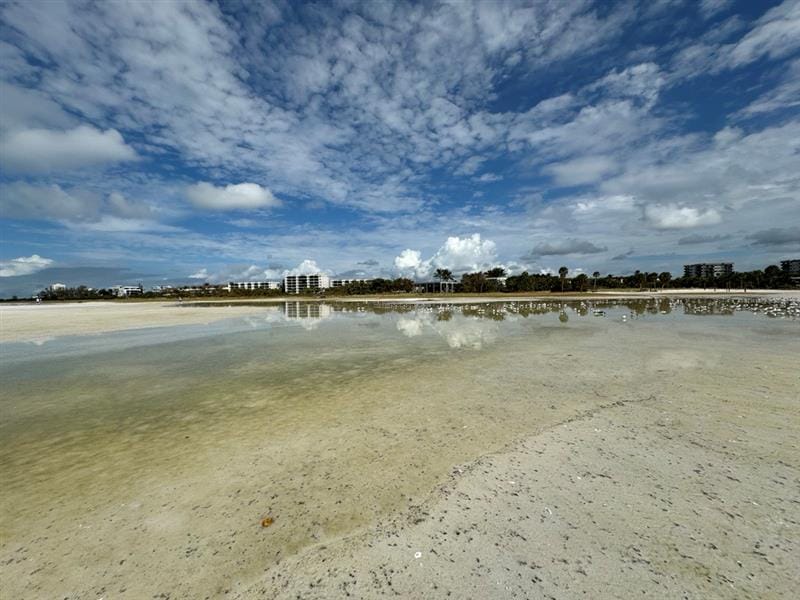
473,282
582,282
496,272
443,275
595,275
562,273
664,278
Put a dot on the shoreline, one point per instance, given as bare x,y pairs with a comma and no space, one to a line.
41,322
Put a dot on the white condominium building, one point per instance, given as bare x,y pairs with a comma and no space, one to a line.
253,285
344,282
124,291
296,284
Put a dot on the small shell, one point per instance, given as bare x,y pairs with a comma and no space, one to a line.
267,521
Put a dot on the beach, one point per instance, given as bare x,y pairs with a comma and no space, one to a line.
425,452
31,322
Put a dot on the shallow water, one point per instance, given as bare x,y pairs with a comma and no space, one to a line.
159,451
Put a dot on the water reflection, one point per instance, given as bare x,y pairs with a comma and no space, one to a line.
461,325
458,330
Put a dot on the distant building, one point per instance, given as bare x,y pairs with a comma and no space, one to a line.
123,291
57,287
344,282
791,267
708,270
296,284
431,287
253,285
501,281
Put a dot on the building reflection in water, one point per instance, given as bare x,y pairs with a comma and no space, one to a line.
307,310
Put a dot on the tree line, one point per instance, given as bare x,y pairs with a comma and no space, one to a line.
480,282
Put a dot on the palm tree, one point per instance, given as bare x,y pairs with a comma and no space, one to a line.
664,278
596,274
562,273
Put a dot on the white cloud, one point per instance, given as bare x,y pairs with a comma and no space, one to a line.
201,274
775,35
348,111
80,209
643,81
673,216
470,166
408,260
241,196
709,8
24,265
489,178
457,254
784,95
580,171
45,150
307,267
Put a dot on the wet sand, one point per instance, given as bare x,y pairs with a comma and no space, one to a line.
645,458
647,496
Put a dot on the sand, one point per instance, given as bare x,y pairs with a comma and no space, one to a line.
603,460
32,322
633,499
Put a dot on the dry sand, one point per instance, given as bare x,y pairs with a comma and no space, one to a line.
31,322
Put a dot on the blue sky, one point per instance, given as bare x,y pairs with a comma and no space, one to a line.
217,141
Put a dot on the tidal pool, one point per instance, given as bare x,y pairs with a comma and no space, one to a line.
141,463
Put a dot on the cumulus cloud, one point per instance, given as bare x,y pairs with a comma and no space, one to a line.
409,261
458,254
307,267
241,196
45,150
24,265
564,247
673,216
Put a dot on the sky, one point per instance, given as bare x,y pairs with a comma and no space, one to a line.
193,142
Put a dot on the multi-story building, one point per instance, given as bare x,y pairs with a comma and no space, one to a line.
791,267
344,282
123,291
253,285
432,287
708,270
296,284
58,287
